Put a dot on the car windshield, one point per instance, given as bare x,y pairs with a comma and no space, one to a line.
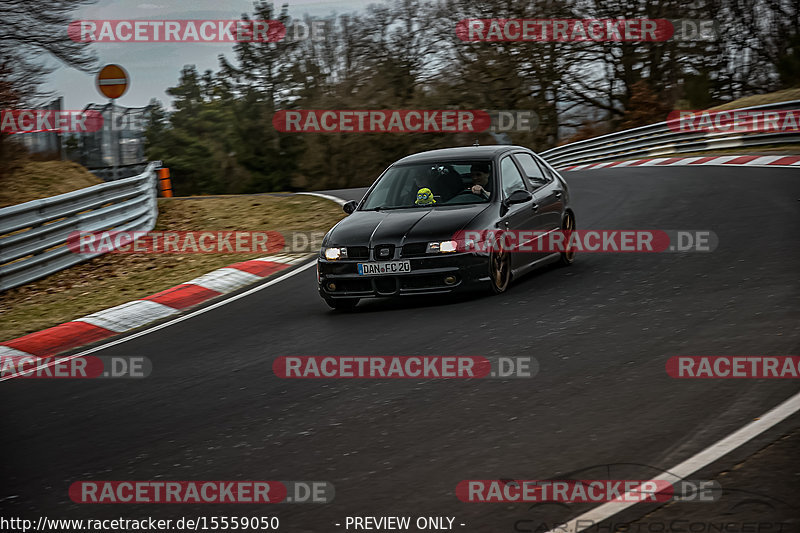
426,185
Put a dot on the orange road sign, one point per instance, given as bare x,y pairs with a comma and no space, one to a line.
112,81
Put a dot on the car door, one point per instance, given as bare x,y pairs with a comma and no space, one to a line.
550,197
543,200
517,218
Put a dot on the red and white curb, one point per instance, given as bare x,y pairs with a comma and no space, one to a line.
132,315
749,160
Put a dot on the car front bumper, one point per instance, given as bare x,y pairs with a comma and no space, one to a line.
340,279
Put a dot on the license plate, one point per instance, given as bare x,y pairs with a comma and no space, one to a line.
386,267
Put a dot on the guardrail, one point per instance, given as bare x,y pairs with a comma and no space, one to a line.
33,235
659,140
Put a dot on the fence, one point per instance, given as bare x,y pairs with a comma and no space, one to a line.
33,235
121,140
658,140
119,143
40,142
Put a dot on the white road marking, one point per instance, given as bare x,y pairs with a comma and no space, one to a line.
691,465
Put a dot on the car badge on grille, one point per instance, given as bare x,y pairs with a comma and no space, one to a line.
383,252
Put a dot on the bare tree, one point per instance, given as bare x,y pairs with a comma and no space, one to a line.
31,31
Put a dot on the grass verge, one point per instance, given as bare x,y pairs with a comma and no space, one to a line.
114,279
760,99
33,180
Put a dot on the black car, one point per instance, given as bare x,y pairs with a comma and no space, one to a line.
401,238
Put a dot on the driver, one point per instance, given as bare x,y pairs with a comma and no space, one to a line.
479,172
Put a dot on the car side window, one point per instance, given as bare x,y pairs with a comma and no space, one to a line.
510,177
533,172
549,172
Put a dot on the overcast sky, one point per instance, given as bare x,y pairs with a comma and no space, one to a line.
153,67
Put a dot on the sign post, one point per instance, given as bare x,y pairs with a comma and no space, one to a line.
112,82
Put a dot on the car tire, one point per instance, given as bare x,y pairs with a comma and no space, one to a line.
499,271
568,224
342,304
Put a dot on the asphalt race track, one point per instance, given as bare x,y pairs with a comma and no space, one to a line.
601,331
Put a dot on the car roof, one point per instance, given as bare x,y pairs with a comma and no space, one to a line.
461,152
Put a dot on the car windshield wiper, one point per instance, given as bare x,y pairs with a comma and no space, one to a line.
394,207
412,206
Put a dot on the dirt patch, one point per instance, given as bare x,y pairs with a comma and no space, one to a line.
39,179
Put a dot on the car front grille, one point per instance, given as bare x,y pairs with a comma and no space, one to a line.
357,252
414,249
353,285
386,285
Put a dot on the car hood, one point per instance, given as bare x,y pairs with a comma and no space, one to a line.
400,226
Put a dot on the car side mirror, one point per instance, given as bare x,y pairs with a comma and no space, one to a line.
350,206
520,196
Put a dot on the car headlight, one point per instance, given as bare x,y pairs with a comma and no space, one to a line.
332,254
442,247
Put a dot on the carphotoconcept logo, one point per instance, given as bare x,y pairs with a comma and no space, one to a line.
736,507
677,525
